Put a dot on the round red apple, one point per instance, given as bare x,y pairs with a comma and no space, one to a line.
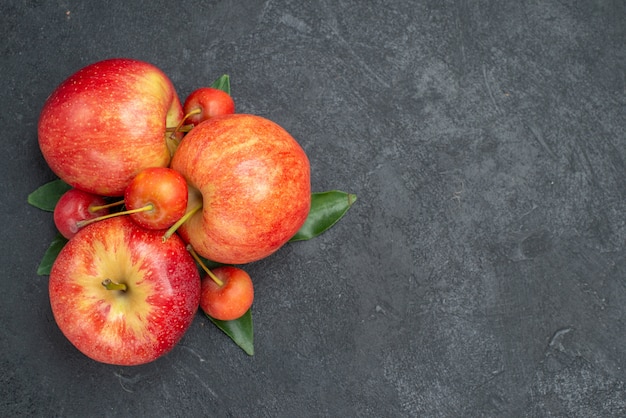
75,206
121,295
253,181
107,122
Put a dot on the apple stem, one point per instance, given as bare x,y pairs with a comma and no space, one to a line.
86,222
180,128
181,221
172,143
96,208
111,285
196,257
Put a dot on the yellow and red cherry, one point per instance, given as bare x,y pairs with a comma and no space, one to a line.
156,198
163,191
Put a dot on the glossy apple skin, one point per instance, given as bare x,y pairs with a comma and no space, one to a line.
231,300
210,101
162,187
253,180
72,207
124,328
107,122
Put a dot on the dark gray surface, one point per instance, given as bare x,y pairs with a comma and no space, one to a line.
482,270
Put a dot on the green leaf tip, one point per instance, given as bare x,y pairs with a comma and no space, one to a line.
327,208
47,196
222,83
55,247
239,330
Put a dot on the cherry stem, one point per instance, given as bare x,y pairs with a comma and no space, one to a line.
196,111
171,140
181,127
96,208
181,221
86,222
196,257
111,285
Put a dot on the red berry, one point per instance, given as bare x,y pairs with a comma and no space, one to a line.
73,207
207,102
232,298
163,188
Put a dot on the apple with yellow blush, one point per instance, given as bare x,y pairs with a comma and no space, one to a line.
249,187
121,295
108,121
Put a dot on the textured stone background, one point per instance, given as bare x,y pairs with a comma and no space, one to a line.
482,272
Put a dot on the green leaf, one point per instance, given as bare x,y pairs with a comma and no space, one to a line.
222,83
47,196
326,209
51,254
239,330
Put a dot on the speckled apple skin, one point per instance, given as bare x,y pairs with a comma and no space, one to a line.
253,179
107,122
132,327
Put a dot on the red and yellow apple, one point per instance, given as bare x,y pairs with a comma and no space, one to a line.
121,295
107,122
251,178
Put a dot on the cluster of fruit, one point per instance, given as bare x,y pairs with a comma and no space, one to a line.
153,192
